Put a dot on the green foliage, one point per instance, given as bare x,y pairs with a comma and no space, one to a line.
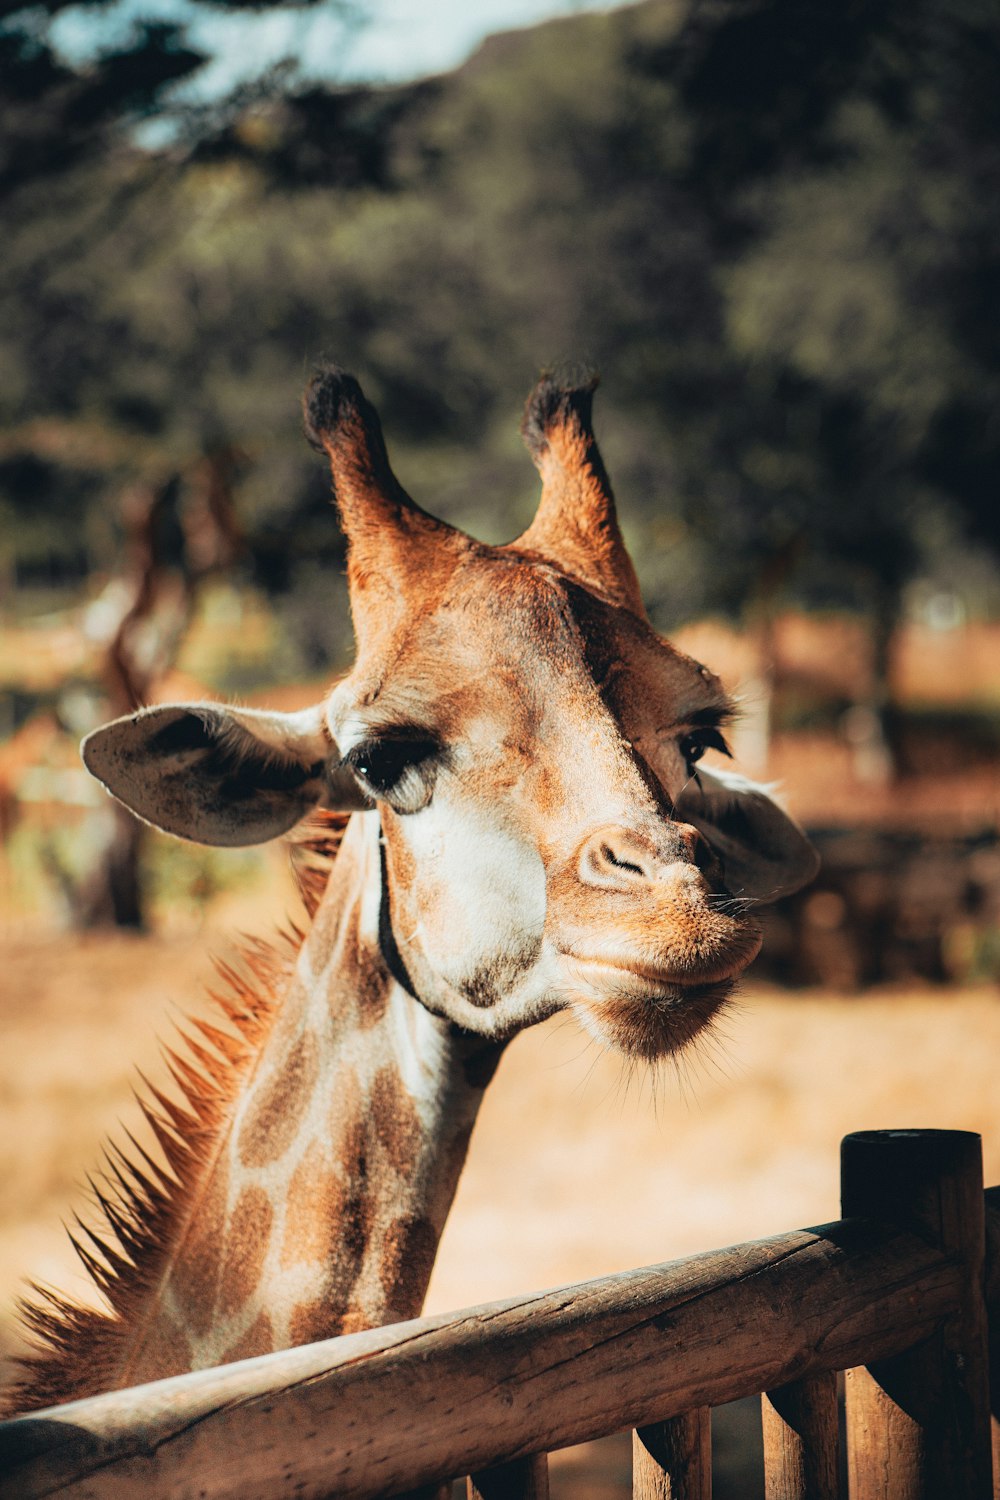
769,224
188,878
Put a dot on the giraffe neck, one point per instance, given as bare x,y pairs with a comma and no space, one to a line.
327,1191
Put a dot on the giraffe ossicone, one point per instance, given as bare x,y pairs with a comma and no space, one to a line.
512,762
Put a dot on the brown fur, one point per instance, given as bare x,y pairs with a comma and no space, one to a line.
145,1205
204,1255
407,1259
373,983
302,1326
270,1128
355,1320
649,1030
313,1183
170,1348
351,1148
247,1239
395,1120
258,1339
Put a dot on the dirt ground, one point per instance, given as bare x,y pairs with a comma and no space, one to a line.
576,1168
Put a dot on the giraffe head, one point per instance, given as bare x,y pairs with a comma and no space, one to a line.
528,744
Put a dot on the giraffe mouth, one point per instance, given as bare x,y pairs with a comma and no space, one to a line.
623,973
649,1011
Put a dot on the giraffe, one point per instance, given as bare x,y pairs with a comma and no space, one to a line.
514,822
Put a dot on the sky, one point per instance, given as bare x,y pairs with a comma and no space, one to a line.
395,40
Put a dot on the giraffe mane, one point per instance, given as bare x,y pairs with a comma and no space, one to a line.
142,1205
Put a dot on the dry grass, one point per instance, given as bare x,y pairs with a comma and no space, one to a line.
577,1167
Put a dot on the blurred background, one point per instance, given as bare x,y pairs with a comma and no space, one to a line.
774,228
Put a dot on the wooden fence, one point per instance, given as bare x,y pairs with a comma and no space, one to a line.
893,1294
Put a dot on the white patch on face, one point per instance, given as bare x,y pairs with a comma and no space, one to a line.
479,899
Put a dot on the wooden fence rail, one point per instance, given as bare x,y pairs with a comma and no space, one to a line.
897,1287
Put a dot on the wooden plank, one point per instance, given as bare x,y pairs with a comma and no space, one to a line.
673,1460
380,1412
521,1479
918,1421
801,1440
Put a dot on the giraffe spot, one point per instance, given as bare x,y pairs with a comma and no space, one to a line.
481,988
346,1101
396,1122
311,1321
315,1206
408,1251
356,1208
167,1350
196,1279
248,1236
372,984
484,986
258,1339
351,1151
276,1110
332,933
348,1133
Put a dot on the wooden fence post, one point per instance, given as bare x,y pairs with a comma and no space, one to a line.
918,1424
992,1199
672,1460
801,1439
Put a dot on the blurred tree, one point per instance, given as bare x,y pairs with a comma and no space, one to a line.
56,116
846,181
90,398
769,225
179,532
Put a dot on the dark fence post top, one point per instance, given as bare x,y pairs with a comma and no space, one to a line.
924,1415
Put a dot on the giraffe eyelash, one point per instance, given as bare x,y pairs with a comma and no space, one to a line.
398,768
694,744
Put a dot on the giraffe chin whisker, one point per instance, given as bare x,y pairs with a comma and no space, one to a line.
648,1027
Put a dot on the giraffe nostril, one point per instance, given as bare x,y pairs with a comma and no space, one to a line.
614,858
628,859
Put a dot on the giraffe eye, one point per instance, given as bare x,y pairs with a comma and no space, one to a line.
397,768
694,745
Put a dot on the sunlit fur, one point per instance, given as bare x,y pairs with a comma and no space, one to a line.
143,1206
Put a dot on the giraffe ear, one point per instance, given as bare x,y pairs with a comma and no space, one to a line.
764,853
219,775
